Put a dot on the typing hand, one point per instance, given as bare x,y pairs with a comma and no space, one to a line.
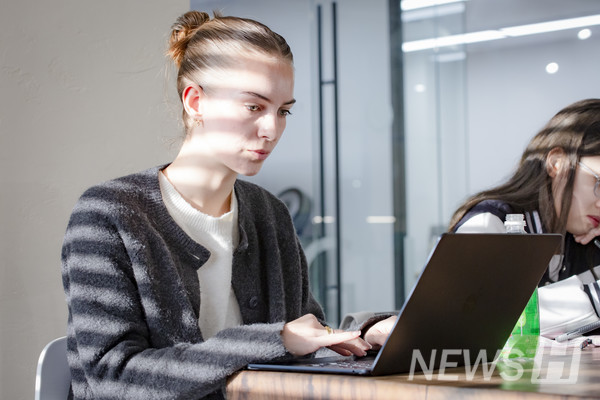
378,333
306,335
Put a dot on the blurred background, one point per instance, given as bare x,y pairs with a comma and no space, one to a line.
404,109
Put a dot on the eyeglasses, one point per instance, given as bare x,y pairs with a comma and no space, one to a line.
597,185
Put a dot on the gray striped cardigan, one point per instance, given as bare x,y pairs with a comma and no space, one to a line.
130,279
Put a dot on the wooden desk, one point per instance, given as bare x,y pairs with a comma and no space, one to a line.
566,373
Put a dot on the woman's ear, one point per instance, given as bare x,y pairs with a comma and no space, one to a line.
555,161
191,99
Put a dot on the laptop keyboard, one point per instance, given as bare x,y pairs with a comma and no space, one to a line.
344,364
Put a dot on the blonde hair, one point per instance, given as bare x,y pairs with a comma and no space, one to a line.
199,46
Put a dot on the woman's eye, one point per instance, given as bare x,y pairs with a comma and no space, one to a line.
252,107
285,113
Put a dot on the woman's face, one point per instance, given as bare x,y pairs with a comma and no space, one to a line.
584,214
244,111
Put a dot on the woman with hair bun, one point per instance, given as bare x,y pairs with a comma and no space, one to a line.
180,275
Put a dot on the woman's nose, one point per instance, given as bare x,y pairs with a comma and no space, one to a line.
270,127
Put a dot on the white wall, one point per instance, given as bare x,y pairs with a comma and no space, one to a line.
82,99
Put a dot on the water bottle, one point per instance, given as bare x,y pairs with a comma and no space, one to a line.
515,223
523,341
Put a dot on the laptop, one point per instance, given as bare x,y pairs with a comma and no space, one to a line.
461,310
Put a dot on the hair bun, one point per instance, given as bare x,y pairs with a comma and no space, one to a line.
181,33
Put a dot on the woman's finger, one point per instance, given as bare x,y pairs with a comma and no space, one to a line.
340,350
336,337
346,341
357,348
586,237
378,333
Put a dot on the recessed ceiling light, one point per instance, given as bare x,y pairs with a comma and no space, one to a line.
584,34
552,68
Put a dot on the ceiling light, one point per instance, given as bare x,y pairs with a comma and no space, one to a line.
453,40
420,88
551,26
584,34
552,68
433,12
381,219
482,36
415,4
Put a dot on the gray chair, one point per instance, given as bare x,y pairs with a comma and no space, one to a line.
53,376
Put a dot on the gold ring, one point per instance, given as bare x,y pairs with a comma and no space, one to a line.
329,330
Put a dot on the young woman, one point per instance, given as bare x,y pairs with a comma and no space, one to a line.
180,275
557,187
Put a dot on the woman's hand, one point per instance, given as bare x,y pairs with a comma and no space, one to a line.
306,335
378,333
587,237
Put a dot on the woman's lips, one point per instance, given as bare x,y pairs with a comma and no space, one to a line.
260,154
595,220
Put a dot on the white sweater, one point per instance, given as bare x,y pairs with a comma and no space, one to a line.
219,308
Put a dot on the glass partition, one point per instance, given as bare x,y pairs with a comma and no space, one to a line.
481,77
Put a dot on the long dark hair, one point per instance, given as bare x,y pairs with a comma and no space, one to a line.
575,130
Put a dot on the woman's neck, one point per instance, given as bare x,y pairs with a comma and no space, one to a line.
204,188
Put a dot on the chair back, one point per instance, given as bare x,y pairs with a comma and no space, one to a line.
53,376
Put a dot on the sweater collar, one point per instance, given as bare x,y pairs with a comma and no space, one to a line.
196,252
